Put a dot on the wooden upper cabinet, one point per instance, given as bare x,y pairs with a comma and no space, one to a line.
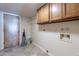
43,14
71,9
56,11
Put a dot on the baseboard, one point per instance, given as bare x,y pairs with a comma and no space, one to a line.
50,54
39,47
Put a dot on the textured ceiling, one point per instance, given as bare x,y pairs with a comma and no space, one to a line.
24,9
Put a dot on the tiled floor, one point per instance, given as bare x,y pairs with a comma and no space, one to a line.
29,50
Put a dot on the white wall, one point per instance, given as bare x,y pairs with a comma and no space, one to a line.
25,24
50,39
1,30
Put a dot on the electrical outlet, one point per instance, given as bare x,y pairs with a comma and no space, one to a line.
65,37
47,51
43,29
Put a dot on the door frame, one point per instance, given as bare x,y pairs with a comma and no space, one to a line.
18,27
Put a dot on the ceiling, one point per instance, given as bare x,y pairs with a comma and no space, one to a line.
23,9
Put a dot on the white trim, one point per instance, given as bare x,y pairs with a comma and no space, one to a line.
20,36
50,54
39,47
2,30
10,14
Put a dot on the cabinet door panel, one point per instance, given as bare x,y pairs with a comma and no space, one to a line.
71,9
56,11
43,14
38,16
46,13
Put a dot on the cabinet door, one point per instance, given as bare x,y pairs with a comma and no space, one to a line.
43,14
71,9
56,11
39,16
46,13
